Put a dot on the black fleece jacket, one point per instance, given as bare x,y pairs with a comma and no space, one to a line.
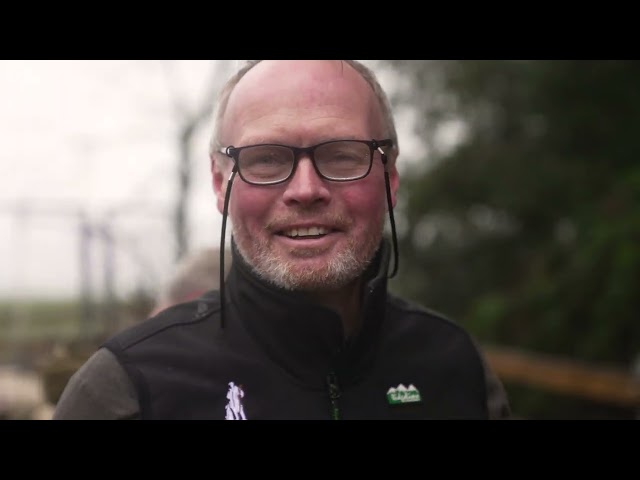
290,359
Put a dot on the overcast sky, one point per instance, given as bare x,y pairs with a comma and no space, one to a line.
99,138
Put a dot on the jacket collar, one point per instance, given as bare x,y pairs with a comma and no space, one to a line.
304,338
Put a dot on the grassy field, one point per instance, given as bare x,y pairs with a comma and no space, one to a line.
39,319
26,325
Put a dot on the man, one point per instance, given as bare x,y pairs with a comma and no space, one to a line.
303,162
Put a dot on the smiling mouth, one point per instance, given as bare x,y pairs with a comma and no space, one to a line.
304,232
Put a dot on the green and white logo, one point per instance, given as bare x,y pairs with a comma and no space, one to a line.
402,394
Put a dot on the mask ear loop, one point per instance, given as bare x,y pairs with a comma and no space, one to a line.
222,237
392,221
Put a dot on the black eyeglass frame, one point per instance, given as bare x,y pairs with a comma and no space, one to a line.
234,154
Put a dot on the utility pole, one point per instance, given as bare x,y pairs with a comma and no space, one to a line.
18,310
85,262
109,310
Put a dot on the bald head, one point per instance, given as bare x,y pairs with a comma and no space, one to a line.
295,83
318,95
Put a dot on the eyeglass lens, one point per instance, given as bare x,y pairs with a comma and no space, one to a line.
342,160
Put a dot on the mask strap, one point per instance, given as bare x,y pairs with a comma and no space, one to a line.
222,237
394,237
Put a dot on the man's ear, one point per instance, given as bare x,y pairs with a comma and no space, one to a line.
219,171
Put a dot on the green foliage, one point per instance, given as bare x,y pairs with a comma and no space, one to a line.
527,231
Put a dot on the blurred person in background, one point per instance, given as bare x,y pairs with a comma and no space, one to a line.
303,163
198,273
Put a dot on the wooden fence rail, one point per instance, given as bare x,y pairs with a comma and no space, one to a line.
605,384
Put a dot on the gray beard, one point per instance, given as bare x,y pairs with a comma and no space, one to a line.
341,270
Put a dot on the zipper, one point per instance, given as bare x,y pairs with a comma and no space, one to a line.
334,395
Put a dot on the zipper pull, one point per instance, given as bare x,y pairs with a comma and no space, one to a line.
334,395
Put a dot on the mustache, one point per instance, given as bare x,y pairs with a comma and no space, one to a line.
335,221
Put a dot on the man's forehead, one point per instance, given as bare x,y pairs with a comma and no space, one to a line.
300,97
298,76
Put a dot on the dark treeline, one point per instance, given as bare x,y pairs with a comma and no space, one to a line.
527,230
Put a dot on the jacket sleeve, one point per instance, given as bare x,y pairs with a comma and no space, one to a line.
99,390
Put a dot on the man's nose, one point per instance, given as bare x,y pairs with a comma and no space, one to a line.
306,186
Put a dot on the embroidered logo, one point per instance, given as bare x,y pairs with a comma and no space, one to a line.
402,394
234,409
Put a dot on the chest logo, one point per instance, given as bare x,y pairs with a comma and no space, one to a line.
402,394
234,408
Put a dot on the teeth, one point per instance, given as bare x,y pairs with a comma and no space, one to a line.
306,232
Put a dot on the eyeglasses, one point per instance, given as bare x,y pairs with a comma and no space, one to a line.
336,160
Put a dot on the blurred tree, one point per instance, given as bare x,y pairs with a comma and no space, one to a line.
190,120
526,229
